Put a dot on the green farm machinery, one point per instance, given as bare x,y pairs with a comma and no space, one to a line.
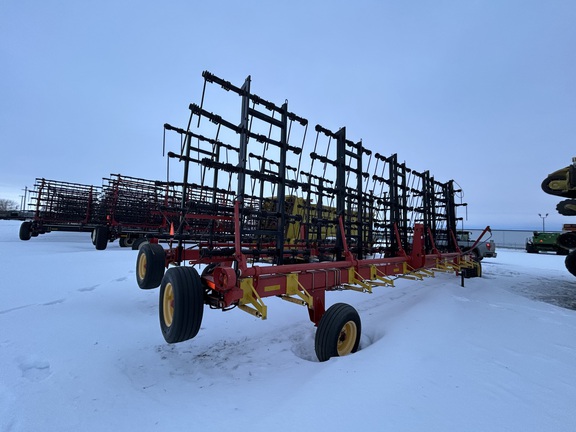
562,183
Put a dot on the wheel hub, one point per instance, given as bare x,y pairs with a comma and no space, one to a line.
347,338
142,267
168,305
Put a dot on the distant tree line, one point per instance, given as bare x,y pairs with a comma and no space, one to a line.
6,204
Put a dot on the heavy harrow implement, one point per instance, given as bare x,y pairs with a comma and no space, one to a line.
131,208
124,208
61,206
263,215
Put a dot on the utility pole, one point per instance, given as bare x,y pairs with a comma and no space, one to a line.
23,203
543,219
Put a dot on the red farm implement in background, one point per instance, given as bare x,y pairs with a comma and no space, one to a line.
61,206
124,208
131,208
263,216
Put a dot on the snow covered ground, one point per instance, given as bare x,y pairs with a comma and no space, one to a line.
81,350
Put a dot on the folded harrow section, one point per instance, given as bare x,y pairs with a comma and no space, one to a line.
270,216
252,163
61,206
131,202
131,208
124,207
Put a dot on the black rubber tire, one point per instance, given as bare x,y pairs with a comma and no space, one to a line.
567,240
101,237
567,176
209,269
25,231
181,306
570,262
473,272
139,241
126,241
476,255
567,207
338,332
546,182
150,265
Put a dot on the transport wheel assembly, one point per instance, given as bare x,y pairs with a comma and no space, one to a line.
338,332
570,262
150,266
181,304
25,231
101,237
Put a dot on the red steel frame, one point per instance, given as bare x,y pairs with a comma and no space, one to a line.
230,281
307,283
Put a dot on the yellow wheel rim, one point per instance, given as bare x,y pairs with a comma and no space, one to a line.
347,338
168,304
559,185
142,267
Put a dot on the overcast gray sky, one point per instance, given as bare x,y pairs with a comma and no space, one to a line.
482,92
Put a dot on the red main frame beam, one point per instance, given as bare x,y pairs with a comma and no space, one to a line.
310,281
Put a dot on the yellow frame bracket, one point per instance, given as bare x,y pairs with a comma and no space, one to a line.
251,301
378,277
471,264
467,264
355,279
415,274
295,288
447,266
